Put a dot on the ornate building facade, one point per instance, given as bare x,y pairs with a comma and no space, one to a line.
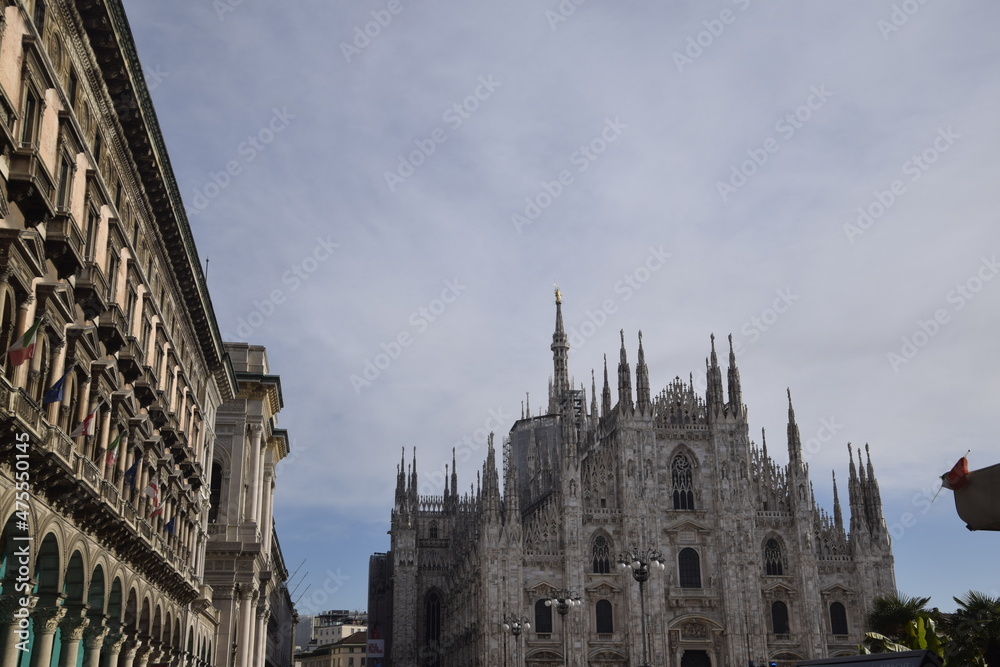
112,371
753,569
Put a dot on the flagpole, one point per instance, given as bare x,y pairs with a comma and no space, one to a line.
943,476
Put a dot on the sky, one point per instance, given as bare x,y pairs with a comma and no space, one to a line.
386,192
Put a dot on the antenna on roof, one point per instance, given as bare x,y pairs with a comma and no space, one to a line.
206,268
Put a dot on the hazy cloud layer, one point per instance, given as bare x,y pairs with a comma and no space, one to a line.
424,185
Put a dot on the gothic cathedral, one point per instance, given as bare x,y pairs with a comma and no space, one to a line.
741,564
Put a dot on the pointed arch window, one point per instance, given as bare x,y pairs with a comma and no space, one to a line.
433,531
838,619
602,555
689,568
773,559
681,479
779,618
432,615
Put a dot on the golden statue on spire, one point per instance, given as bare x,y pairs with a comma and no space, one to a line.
558,295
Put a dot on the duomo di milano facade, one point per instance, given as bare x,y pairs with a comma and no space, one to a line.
754,569
137,450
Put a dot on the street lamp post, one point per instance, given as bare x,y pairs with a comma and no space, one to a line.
515,624
562,600
640,562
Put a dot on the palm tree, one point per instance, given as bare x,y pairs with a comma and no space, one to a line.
893,613
975,628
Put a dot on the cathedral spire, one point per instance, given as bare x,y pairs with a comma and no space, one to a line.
413,476
838,517
560,353
511,496
454,475
642,381
794,441
735,391
763,440
624,379
401,478
606,394
593,396
714,397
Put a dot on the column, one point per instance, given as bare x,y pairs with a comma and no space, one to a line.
267,514
252,510
244,628
142,654
105,440
93,642
9,628
113,643
72,632
260,637
131,647
46,621
251,637
21,372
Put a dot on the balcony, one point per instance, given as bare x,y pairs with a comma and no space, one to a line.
111,328
130,360
158,417
145,388
30,185
91,286
64,244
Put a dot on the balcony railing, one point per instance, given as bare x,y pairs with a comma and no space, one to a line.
30,185
64,244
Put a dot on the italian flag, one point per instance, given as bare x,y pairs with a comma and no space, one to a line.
24,348
113,451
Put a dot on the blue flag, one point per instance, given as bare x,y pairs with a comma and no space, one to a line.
55,394
131,472
170,525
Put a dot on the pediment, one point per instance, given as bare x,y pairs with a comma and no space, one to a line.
778,590
55,299
542,588
84,345
602,589
836,590
689,525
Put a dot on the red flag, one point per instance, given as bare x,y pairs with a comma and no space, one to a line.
86,427
958,477
24,347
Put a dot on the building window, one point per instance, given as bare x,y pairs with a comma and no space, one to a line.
432,607
65,183
73,86
543,618
215,494
689,568
29,122
602,555
605,618
433,530
838,619
681,477
773,562
39,15
779,618
98,147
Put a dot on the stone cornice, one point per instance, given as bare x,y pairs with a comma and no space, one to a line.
111,39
